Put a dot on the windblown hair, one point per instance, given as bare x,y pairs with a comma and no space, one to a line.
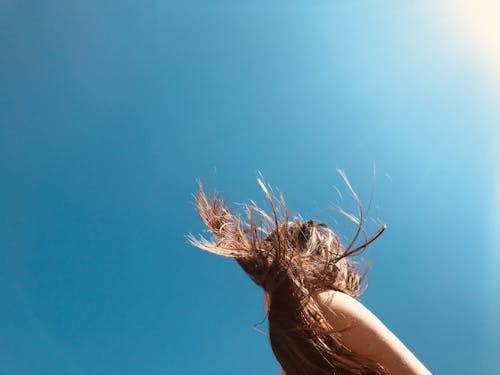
293,261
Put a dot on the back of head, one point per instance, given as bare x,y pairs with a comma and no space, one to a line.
312,255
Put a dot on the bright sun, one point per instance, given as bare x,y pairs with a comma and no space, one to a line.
478,30
475,29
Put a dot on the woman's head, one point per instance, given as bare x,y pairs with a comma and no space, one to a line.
293,261
314,256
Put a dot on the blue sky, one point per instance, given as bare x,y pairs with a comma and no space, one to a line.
110,111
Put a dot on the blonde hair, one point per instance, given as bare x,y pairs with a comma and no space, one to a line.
292,260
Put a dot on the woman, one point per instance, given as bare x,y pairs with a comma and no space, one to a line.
316,324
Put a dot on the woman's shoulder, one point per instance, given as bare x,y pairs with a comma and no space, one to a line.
342,305
342,309
334,297
362,332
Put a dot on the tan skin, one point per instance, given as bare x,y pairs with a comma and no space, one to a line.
367,336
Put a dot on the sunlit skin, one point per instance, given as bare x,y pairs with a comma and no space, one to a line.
367,336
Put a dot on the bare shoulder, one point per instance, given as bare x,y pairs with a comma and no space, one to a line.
362,332
344,311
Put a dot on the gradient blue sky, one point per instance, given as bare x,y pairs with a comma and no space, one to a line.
110,110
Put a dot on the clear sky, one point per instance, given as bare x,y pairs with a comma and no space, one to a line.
110,110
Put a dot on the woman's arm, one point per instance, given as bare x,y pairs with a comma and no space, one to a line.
366,335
